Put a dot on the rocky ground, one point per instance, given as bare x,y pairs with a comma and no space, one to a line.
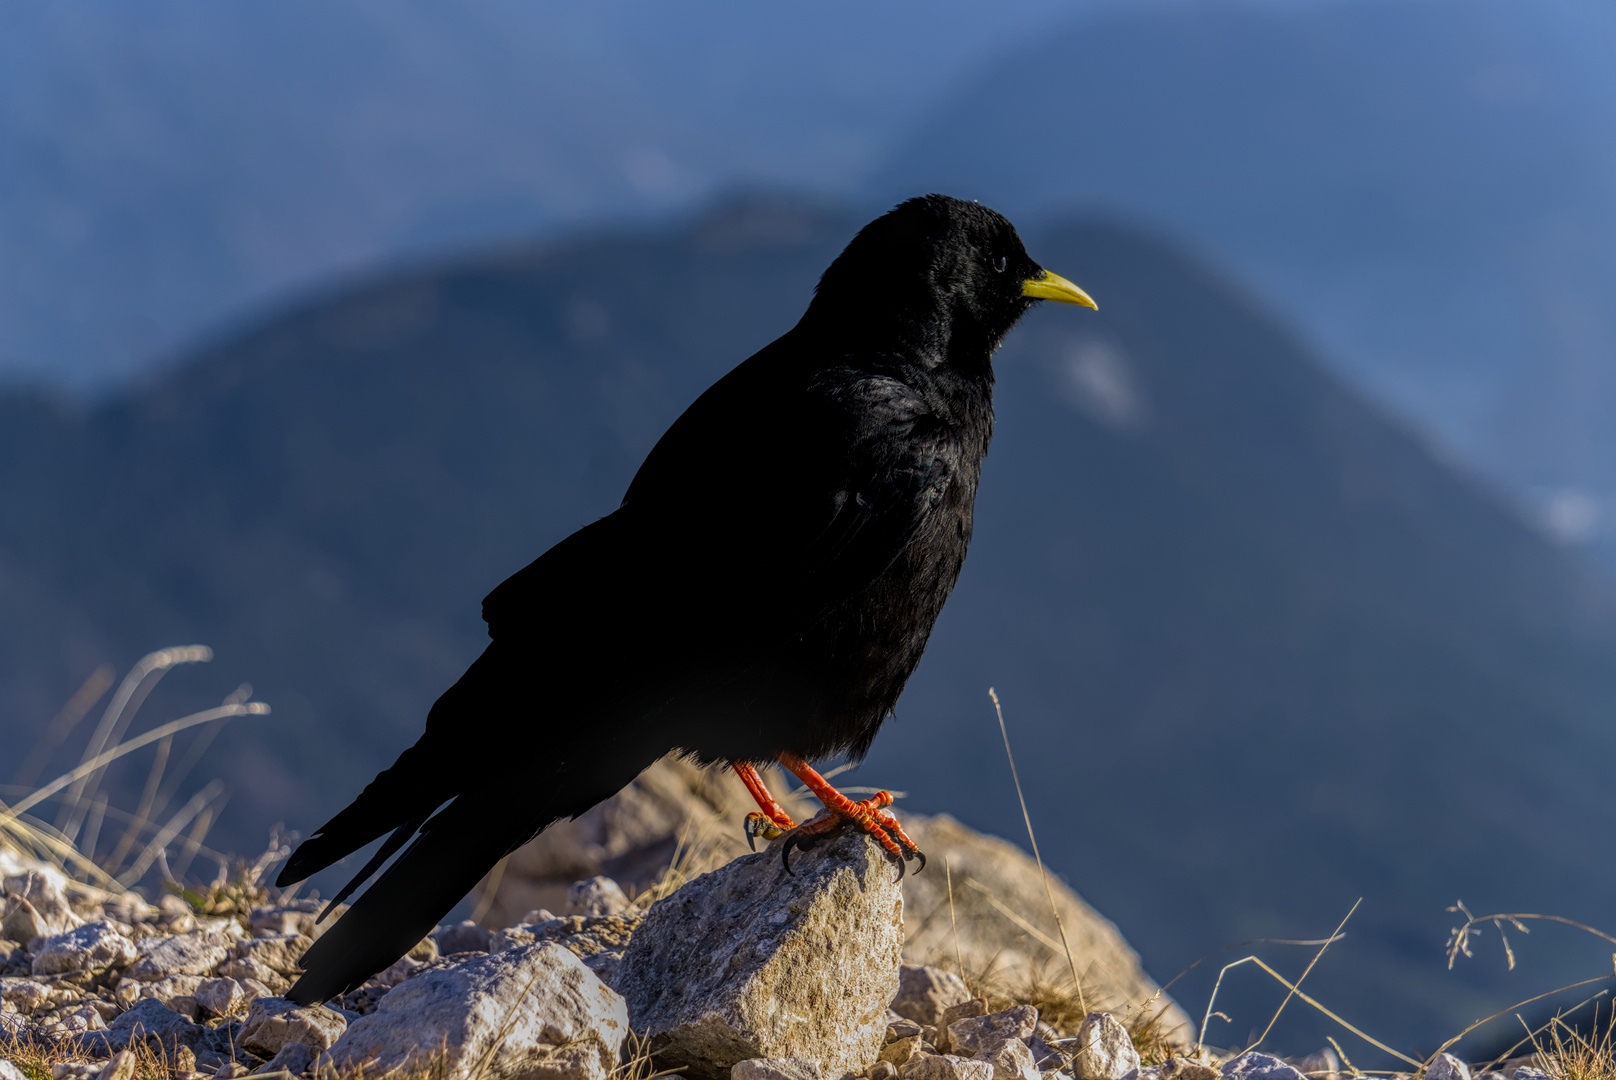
742,971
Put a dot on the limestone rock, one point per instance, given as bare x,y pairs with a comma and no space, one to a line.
530,1013
247,971
972,1007
924,992
281,953
44,894
1012,1060
294,1058
597,940
977,1035
121,1066
1448,1067
598,895
1183,1068
85,948
899,1051
945,1067
178,992
153,1023
273,1022
750,962
1324,1061
774,1069
296,917
222,996
463,937
8,1071
1255,1066
25,994
1103,1050
183,954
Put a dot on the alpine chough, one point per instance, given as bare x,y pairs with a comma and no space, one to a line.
761,595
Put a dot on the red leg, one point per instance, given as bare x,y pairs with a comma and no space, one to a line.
868,815
773,821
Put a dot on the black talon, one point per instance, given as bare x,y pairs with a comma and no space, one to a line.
921,855
785,851
751,840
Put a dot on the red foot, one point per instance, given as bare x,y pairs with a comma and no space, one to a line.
868,815
773,821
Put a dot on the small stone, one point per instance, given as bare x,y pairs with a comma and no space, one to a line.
883,1070
984,1034
184,1060
538,915
535,1011
79,1021
273,1022
1255,1066
900,1051
170,987
86,948
597,896
221,996
281,953
297,917
1448,1067
1183,1068
8,1071
25,994
398,971
924,992
152,1022
1012,1060
462,937
294,1058
75,1070
902,1028
230,1070
945,1067
121,1066
248,971
961,1011
1103,1049
771,1068
750,962
183,954
43,894
1529,1072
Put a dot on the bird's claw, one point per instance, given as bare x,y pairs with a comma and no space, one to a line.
760,825
882,827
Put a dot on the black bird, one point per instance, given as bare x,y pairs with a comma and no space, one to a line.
762,594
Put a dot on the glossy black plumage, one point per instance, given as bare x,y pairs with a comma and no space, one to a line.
768,583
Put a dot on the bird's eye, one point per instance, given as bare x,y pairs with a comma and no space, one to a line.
1000,263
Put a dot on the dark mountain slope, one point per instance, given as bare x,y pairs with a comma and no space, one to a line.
1261,653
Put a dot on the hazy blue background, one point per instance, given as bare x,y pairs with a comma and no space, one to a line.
1420,194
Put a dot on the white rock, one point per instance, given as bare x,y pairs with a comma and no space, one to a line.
774,1069
1254,1066
8,1071
86,948
247,971
121,1066
282,953
294,1058
1529,1072
44,893
170,987
924,992
151,1022
978,1035
462,937
596,896
273,1022
184,954
531,1013
1012,1061
26,994
221,997
1103,1050
749,962
1448,1067
945,1067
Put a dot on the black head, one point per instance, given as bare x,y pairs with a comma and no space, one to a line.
935,278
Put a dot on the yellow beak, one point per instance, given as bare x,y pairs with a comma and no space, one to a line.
1056,288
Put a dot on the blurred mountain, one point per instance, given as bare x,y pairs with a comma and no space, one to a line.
170,164
1261,651
1428,188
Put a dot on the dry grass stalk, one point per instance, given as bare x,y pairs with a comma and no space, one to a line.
1053,910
